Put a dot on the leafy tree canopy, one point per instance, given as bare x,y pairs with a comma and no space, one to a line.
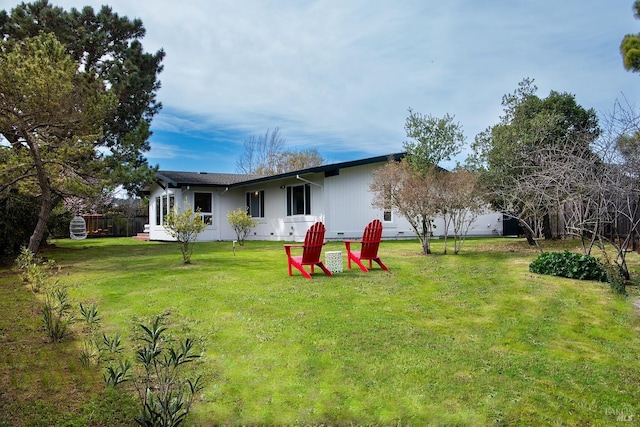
432,139
106,48
529,123
77,95
630,46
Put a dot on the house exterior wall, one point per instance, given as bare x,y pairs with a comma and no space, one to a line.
276,225
182,195
349,205
342,201
156,230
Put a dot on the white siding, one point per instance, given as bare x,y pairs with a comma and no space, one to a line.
343,202
349,205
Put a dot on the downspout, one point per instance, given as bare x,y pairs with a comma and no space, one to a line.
219,227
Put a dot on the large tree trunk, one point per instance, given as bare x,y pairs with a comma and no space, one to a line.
41,227
529,236
45,197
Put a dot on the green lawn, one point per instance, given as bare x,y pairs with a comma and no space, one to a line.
472,339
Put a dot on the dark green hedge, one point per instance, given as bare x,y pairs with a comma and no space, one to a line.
568,264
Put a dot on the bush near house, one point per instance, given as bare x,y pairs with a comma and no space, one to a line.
242,223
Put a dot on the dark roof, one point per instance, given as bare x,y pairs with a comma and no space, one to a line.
177,179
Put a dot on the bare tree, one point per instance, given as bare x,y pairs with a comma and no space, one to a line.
592,190
261,153
461,202
409,193
619,147
265,155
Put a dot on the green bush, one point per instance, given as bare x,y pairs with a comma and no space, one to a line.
568,264
242,223
165,395
185,227
18,218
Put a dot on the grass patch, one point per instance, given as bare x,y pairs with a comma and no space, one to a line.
468,339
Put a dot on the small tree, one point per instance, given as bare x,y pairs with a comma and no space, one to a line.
461,202
241,223
185,227
411,194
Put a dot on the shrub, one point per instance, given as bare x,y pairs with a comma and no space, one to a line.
615,275
165,395
56,313
570,265
34,270
615,278
17,221
241,223
184,227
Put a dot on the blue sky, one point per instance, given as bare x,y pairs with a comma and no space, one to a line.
339,75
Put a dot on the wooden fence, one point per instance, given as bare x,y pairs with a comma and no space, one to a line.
114,225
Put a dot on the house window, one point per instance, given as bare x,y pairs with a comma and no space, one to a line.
299,200
164,204
255,204
386,215
204,203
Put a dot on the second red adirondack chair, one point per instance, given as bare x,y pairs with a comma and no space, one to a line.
311,251
370,243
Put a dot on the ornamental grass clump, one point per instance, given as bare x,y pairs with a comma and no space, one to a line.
570,265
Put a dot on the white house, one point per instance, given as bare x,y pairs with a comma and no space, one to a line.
286,205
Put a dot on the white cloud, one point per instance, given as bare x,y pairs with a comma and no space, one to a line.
339,75
166,151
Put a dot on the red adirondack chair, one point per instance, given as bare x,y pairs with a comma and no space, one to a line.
311,250
370,243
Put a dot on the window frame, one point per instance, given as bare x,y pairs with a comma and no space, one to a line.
161,207
249,198
293,198
205,215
